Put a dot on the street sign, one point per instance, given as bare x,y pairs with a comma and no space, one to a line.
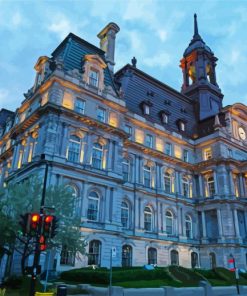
114,252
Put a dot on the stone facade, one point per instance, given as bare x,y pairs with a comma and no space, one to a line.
158,174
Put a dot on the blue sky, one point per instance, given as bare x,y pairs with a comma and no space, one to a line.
156,32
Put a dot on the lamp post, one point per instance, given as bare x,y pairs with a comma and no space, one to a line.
37,238
232,266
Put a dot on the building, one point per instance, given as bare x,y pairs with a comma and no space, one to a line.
160,175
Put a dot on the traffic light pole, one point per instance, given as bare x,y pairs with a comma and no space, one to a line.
37,238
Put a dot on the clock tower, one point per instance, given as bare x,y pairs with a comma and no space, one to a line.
199,77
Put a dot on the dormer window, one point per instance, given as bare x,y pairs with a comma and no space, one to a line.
145,106
181,125
40,68
93,78
146,109
164,116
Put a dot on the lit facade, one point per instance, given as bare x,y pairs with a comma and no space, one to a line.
159,174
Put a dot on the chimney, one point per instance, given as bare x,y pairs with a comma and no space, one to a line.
107,43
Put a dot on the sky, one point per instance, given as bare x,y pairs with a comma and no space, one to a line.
156,32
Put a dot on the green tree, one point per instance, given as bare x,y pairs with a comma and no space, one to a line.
25,196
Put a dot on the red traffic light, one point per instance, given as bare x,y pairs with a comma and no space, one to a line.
48,219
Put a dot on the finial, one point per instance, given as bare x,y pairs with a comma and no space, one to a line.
195,25
134,61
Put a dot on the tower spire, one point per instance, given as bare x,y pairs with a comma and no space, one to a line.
195,26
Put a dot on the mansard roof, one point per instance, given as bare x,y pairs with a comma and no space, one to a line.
4,115
138,86
72,51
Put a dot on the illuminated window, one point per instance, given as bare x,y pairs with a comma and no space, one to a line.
74,149
188,226
94,78
93,206
152,256
149,141
236,184
169,223
20,159
168,149
125,214
147,176
210,186
148,219
126,256
126,169
30,153
79,105
207,153
94,253
101,114
97,156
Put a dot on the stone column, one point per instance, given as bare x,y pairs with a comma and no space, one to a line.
231,184
236,225
216,183
201,191
89,150
241,185
178,191
16,155
204,229
219,222
65,140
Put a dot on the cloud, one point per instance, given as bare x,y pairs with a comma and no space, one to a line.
162,34
160,60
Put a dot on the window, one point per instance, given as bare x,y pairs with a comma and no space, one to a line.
164,118
210,186
94,253
93,206
194,260
186,155
149,141
167,182
128,129
101,114
146,109
30,153
147,176
207,153
125,214
185,187
236,184
152,256
168,149
188,226
182,126
148,216
169,223
76,202
126,256
20,159
126,169
212,258
79,105
74,148
174,257
67,257
94,78
97,156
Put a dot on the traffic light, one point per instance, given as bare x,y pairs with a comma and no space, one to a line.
54,226
24,223
42,243
34,221
47,225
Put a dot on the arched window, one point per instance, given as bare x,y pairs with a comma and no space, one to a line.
94,253
67,257
194,260
168,182
148,219
169,223
126,170
174,257
76,200
93,206
126,256
147,176
152,256
212,258
210,186
125,214
188,226
185,187
97,156
74,149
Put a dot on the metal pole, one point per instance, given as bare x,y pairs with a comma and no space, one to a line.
110,274
236,277
37,250
47,270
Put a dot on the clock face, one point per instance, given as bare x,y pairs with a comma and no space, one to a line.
241,133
